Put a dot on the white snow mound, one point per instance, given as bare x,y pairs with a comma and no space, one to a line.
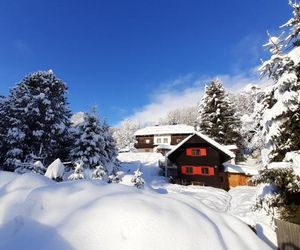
95,215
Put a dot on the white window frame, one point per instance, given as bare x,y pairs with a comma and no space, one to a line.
162,138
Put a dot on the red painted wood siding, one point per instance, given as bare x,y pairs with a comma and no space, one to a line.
197,170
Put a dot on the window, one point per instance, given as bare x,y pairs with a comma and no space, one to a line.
205,171
158,140
166,140
198,170
196,152
189,170
178,140
147,141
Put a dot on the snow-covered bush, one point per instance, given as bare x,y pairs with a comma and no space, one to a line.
115,178
39,168
282,185
55,170
78,172
137,179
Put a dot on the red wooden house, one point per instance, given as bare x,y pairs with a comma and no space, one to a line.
198,160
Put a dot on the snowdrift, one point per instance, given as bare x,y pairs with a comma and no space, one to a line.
38,213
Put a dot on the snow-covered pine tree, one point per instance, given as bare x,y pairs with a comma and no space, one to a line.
137,179
78,172
90,143
99,173
281,113
218,118
113,163
279,201
39,119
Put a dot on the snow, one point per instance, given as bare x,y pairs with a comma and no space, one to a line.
248,170
209,140
55,170
77,118
294,54
165,130
95,215
39,213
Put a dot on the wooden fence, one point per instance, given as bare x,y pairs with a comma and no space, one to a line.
288,235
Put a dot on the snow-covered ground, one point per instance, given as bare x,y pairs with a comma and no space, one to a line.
38,213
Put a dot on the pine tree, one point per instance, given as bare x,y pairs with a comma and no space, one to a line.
90,143
111,149
281,111
137,179
39,119
99,173
78,172
218,118
284,183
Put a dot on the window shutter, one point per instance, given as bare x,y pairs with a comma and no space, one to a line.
211,171
189,152
203,152
183,169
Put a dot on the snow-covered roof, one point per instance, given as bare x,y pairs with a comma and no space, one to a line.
230,168
209,140
166,130
231,147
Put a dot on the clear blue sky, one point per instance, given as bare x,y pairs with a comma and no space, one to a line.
116,53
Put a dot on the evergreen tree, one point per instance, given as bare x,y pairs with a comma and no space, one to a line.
137,179
99,173
90,142
279,202
218,118
281,109
38,116
78,172
111,149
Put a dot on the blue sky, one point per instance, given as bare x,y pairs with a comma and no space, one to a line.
126,56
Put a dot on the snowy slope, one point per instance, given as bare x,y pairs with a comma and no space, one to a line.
96,215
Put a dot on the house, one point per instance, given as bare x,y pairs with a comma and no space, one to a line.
198,160
161,138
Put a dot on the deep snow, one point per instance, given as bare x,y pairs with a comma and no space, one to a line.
38,213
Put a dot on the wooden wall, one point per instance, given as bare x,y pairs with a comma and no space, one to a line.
238,179
141,142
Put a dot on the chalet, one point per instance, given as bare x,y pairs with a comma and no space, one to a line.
199,160
161,138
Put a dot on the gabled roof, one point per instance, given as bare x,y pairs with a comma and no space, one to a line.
207,139
165,130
